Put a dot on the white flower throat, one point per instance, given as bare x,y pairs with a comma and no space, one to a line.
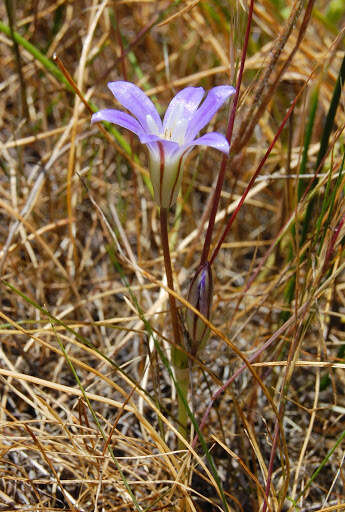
175,125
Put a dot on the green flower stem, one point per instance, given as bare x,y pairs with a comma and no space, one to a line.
182,379
179,358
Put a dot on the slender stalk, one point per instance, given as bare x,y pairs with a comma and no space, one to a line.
179,358
169,274
270,465
295,347
220,180
255,175
182,379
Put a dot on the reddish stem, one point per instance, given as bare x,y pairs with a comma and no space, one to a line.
331,244
287,325
272,246
220,181
169,274
255,175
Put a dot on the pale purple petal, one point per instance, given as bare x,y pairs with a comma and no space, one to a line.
214,100
138,104
213,140
180,111
125,121
117,117
148,137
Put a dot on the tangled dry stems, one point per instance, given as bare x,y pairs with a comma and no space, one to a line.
67,196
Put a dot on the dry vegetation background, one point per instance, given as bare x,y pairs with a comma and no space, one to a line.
81,262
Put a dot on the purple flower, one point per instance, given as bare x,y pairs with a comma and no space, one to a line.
169,142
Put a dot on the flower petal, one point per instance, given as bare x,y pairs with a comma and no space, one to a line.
117,117
212,139
138,104
214,100
125,120
180,111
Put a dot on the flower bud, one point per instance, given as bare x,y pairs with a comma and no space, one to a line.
200,295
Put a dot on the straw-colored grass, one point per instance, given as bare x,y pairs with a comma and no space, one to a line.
88,405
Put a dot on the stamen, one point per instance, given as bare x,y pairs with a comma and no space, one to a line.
176,125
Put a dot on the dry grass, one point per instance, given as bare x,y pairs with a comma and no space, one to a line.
82,268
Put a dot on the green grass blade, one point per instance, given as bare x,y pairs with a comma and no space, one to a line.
321,466
328,203
49,65
325,142
314,100
290,289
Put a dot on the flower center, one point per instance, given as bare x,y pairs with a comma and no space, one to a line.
176,124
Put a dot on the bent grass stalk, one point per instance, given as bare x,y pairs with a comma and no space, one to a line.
227,228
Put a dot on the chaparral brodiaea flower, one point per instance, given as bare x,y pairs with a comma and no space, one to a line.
170,141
